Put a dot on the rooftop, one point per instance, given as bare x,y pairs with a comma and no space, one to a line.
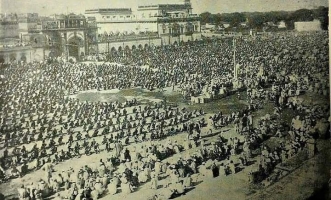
109,10
164,6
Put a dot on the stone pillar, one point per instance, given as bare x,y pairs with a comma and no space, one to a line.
311,144
65,46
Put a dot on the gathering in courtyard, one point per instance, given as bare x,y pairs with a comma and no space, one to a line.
159,142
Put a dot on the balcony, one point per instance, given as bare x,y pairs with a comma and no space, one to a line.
121,38
179,19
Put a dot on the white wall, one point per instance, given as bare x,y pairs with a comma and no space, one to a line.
308,26
129,27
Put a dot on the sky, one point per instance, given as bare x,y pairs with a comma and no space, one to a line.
49,7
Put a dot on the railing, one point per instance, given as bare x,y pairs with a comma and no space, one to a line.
179,19
127,37
13,46
56,27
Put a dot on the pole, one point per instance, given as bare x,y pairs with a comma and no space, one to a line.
234,58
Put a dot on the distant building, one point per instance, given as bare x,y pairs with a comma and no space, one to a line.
282,24
209,26
69,35
308,26
171,23
9,26
29,23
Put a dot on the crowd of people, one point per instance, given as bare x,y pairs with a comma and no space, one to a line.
41,126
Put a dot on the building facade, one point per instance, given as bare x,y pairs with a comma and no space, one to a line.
9,26
308,26
70,35
163,24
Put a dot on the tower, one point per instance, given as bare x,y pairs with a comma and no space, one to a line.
188,5
187,2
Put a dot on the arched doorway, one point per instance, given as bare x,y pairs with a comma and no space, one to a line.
113,49
52,54
140,46
23,58
120,48
134,47
2,59
127,50
146,46
12,57
73,47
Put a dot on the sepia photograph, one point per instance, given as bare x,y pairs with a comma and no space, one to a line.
165,99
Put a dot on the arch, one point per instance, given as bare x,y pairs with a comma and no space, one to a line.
176,43
23,58
74,43
113,49
140,46
134,47
12,57
51,54
73,37
188,41
127,48
146,46
2,59
120,48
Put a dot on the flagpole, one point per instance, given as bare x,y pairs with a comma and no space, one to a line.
234,59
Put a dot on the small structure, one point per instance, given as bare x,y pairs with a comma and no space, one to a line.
308,26
282,24
312,149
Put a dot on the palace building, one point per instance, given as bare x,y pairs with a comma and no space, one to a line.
70,35
160,24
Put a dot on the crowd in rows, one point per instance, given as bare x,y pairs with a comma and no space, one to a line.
41,126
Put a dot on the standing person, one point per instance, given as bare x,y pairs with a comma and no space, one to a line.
244,122
118,149
22,193
237,123
112,187
154,184
187,181
250,120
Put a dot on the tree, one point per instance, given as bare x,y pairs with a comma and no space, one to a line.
302,15
321,13
205,17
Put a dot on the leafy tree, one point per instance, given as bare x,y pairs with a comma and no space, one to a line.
205,17
302,15
258,19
